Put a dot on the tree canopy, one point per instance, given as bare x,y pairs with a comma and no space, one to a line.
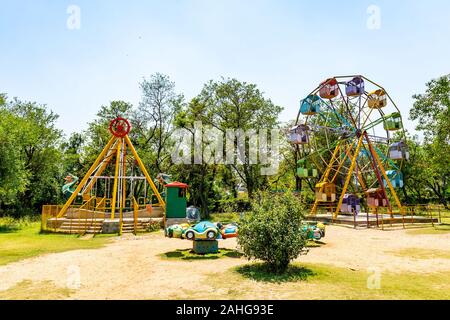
35,156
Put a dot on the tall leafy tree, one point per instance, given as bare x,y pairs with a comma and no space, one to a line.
231,104
13,176
154,120
33,151
432,111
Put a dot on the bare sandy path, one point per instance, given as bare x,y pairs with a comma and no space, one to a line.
132,268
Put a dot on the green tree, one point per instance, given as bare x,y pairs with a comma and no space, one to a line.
203,177
231,104
72,150
272,231
13,176
154,120
32,148
432,112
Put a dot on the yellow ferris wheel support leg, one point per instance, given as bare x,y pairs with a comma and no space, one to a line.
116,180
341,163
86,177
349,176
326,175
394,194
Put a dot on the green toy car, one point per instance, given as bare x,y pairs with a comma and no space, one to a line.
314,230
204,230
177,230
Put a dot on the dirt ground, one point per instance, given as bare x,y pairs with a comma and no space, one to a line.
132,267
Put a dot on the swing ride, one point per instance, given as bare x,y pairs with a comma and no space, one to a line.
117,193
352,140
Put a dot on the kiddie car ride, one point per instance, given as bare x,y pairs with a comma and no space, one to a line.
314,230
204,230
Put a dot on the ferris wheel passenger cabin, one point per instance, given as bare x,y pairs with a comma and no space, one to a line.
304,170
395,177
310,105
376,198
326,192
299,134
354,87
393,122
351,203
377,99
329,89
399,151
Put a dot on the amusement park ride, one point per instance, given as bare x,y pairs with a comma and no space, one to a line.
117,194
344,140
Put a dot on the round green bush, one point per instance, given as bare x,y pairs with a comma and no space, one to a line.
272,230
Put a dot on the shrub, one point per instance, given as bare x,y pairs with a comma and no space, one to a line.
272,230
153,226
233,205
14,224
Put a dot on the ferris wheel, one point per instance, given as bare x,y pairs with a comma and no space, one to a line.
349,137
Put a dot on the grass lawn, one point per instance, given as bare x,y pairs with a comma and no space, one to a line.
27,241
225,217
29,290
438,229
317,281
420,253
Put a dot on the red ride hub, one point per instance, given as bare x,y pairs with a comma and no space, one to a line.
120,127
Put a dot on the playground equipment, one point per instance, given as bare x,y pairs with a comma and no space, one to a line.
69,188
204,235
343,135
313,230
115,195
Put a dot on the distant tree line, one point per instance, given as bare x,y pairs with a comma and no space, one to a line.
35,155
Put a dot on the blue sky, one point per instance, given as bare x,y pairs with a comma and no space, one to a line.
285,47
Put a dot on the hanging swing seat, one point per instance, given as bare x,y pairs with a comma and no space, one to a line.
299,134
393,122
310,105
376,198
304,170
329,89
354,87
399,151
377,99
325,192
351,203
395,178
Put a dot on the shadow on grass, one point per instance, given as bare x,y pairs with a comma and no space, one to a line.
314,244
188,254
261,272
8,229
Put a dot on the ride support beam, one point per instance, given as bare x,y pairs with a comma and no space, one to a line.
147,176
391,187
116,180
86,177
377,166
326,175
349,176
341,163
100,171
